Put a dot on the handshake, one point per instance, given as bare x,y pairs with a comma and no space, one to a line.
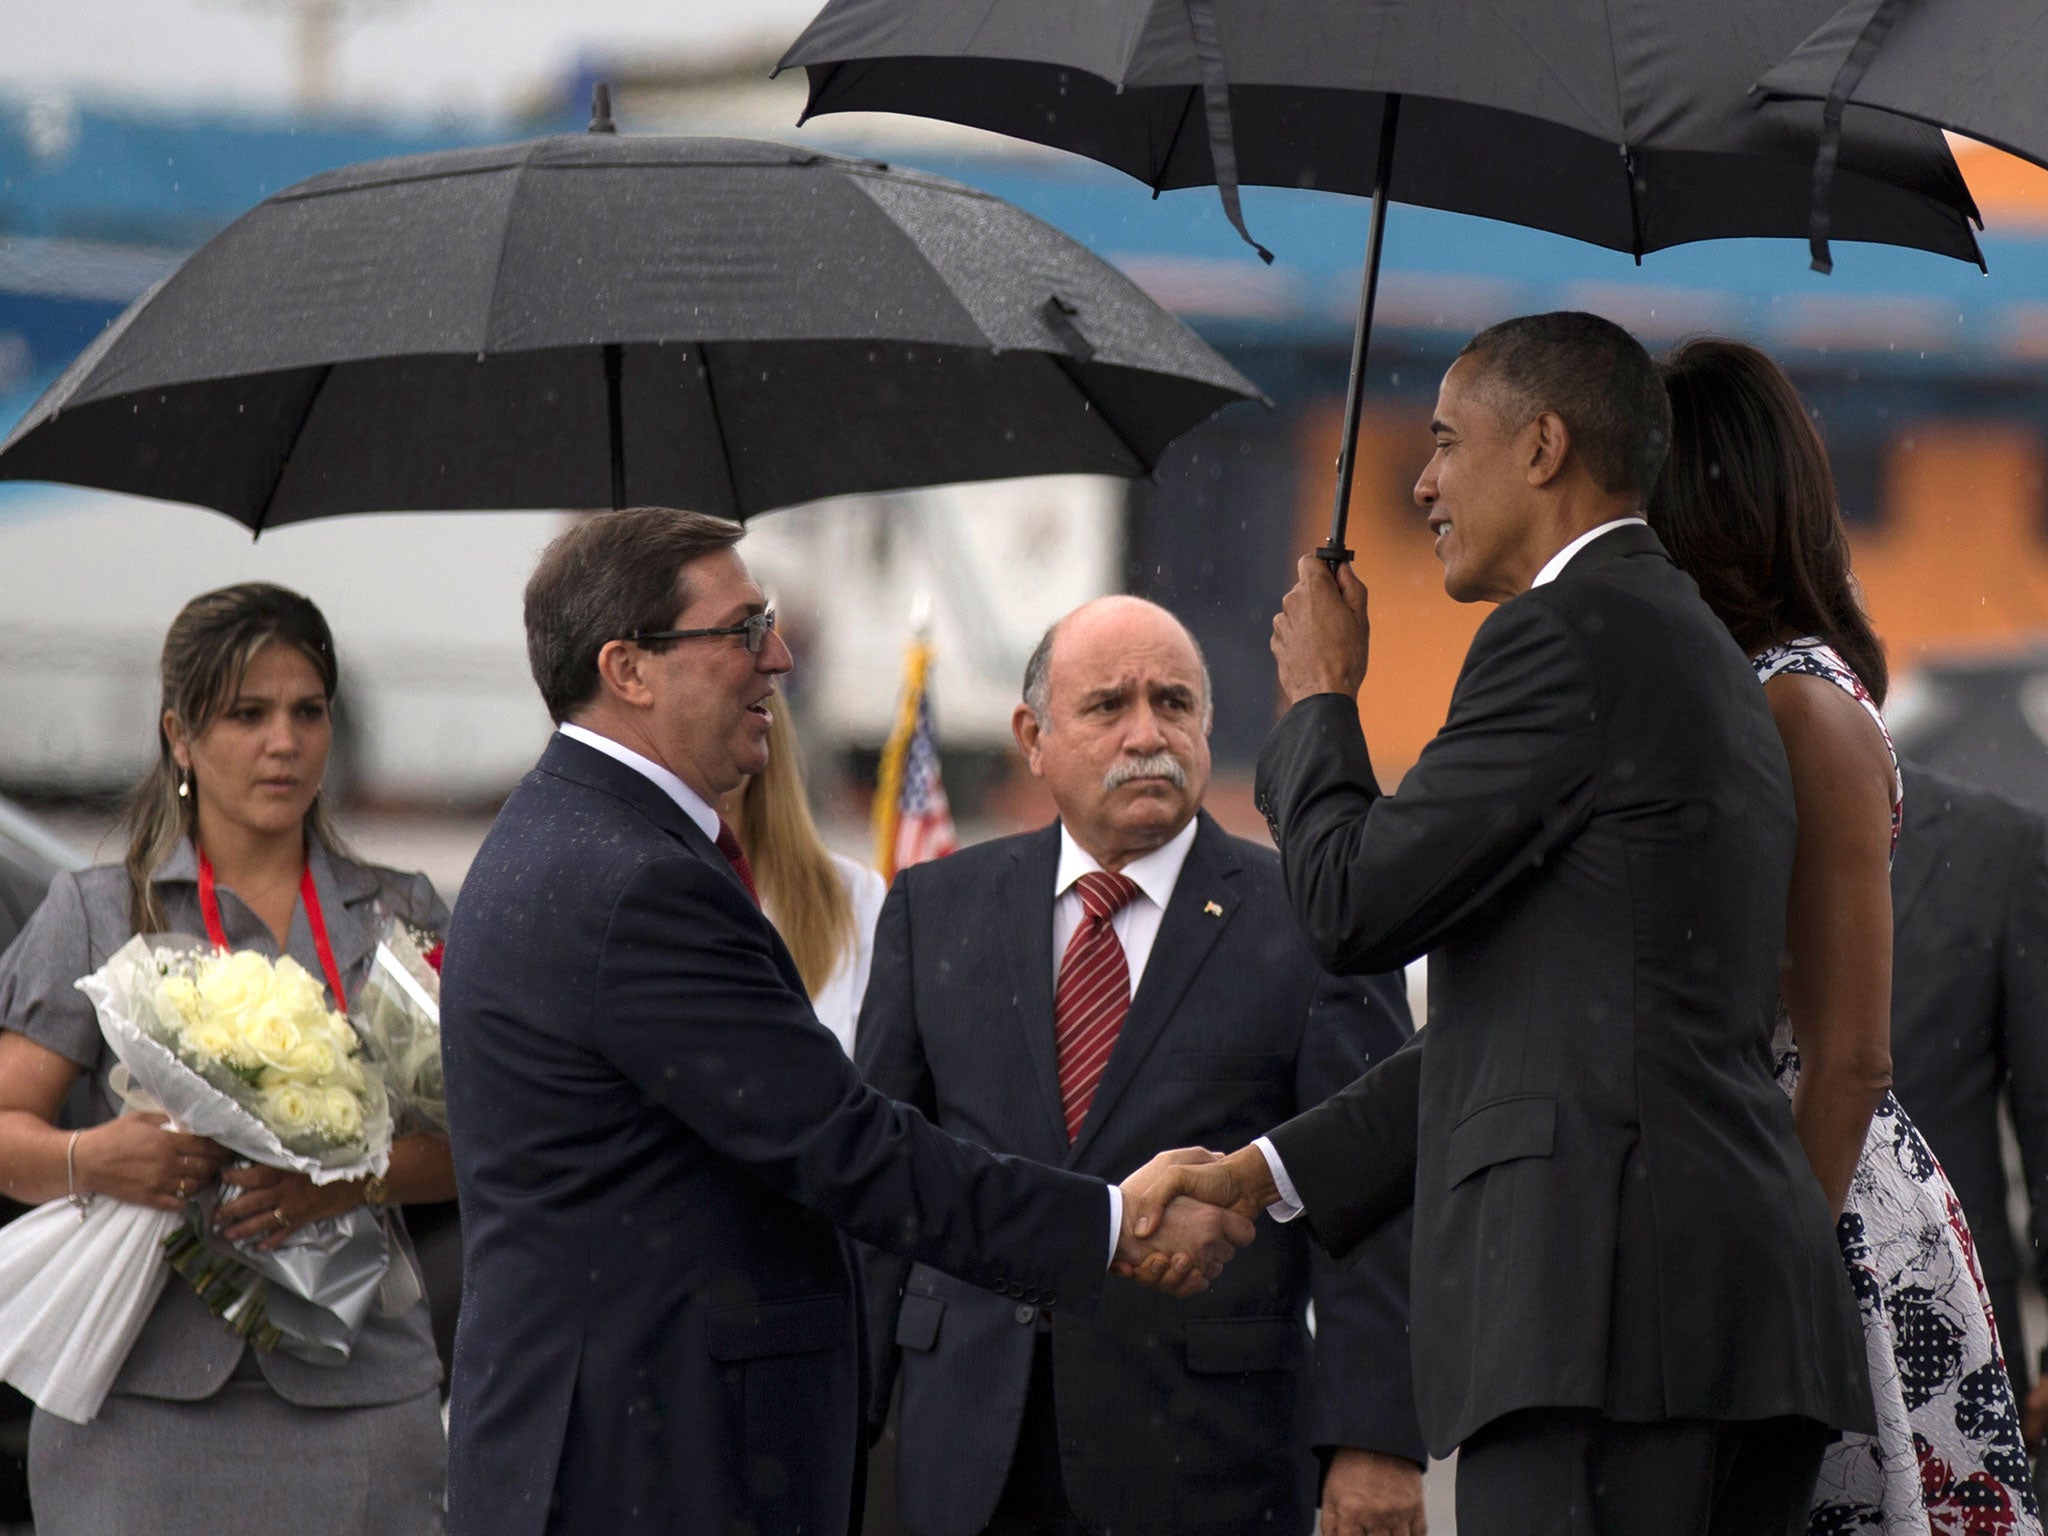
1186,1213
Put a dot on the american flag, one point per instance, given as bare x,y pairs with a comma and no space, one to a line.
913,822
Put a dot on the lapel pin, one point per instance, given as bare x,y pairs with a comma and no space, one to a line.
1212,909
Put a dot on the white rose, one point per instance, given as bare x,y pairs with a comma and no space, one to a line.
177,1002
230,985
288,1108
270,1034
301,995
341,1114
312,1060
213,1040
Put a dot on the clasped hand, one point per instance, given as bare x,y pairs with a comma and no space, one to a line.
1185,1215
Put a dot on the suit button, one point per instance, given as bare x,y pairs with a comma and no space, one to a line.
1051,1300
1026,1313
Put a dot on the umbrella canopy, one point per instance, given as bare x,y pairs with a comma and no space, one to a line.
1626,123
1979,67
590,319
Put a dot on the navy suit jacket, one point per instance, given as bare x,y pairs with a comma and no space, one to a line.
657,1147
1174,1417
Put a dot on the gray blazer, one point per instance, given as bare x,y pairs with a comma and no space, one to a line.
184,1353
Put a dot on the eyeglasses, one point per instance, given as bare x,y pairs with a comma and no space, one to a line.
756,627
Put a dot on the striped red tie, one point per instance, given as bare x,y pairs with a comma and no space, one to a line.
1094,993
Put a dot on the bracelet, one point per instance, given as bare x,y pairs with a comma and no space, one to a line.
79,1203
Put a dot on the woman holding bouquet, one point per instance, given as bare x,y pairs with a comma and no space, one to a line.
227,839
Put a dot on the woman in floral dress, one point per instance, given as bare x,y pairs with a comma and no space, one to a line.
1747,507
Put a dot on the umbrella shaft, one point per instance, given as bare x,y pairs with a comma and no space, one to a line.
1334,553
615,419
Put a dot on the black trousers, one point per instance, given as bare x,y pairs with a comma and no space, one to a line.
1034,1500
1570,1472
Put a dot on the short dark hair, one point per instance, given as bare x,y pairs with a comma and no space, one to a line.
1747,507
1595,376
610,574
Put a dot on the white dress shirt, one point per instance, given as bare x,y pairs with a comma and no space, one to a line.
1136,923
1554,566
1288,1206
693,804
707,820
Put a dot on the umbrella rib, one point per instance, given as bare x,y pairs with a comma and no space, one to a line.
1072,370
305,414
732,483
1180,127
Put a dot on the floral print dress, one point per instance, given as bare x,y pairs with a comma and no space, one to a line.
1948,1458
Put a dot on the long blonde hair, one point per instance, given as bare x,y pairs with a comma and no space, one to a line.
801,890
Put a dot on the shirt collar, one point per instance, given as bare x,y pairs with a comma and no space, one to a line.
1554,566
1155,874
692,803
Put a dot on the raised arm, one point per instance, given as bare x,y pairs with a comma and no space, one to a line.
1377,879
1838,928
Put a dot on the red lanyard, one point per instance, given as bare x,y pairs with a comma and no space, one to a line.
209,908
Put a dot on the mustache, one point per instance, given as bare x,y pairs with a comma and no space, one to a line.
1160,765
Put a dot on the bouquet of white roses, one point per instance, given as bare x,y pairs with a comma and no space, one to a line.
398,1010
233,1047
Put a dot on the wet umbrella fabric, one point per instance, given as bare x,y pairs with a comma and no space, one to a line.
1978,67
1625,123
748,325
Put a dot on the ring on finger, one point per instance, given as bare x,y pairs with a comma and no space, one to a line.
278,1216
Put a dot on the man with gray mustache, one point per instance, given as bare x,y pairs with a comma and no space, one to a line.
1129,978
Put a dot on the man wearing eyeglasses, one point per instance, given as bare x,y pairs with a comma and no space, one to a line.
657,1146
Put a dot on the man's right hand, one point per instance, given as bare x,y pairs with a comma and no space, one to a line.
1176,1245
1240,1186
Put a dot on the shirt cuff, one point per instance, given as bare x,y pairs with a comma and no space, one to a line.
1116,1219
1288,1206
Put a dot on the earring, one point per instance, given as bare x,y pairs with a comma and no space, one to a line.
185,784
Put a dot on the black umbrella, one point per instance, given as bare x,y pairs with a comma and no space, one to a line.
1626,123
591,319
1979,67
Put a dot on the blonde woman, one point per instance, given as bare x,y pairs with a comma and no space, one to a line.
824,906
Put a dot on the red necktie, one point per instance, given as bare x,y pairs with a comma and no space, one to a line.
1094,993
736,856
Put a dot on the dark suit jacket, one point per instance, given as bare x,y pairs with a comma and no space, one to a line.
1174,1416
656,1145
1611,1209
1970,1009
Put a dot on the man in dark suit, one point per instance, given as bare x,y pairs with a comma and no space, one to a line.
1153,1417
1970,1019
656,1143
1628,1305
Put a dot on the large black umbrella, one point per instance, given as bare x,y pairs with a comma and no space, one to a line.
1979,67
1626,123
592,319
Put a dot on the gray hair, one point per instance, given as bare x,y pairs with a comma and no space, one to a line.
1595,376
610,574
1038,673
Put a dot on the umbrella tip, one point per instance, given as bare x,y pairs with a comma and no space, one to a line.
601,109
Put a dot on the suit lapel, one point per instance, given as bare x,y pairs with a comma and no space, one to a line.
1188,930
1027,944
570,759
